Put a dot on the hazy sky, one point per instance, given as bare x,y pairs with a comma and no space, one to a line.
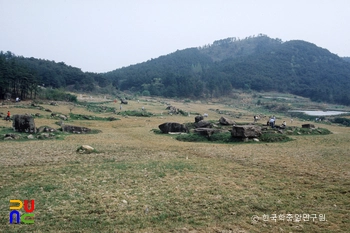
103,35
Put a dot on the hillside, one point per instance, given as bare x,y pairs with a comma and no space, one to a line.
21,77
257,63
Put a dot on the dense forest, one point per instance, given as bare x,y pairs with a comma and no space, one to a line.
24,77
255,63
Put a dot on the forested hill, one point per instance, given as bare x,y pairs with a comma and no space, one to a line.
20,77
254,63
258,63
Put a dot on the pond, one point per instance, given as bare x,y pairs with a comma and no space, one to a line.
319,113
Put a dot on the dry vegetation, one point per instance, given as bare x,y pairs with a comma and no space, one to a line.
140,181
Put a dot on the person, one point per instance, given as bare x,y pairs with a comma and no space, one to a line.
8,118
272,122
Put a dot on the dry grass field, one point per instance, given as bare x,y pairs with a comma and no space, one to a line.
140,181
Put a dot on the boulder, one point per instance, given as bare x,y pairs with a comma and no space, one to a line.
12,136
246,131
74,129
172,109
63,117
206,131
226,121
23,123
30,136
203,124
85,149
198,118
308,126
123,101
172,127
42,129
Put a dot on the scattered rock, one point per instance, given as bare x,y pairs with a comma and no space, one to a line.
48,110
198,118
256,140
85,149
30,136
63,117
308,126
172,109
206,131
75,129
172,127
203,124
42,129
24,123
226,121
246,131
12,136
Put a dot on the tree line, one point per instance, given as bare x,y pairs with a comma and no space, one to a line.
24,77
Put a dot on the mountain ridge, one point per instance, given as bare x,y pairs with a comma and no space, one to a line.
258,63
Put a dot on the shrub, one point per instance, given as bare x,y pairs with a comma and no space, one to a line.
57,95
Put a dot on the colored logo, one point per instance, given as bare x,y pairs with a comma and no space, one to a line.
15,211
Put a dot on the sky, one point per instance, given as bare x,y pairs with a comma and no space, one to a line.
104,35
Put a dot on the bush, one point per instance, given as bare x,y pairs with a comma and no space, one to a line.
57,95
341,120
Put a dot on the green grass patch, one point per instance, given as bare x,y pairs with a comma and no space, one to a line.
216,138
73,116
135,113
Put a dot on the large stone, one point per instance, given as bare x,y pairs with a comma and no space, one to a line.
198,118
75,129
246,131
13,136
226,121
23,123
42,129
172,109
63,117
206,131
172,127
203,124
85,149
308,126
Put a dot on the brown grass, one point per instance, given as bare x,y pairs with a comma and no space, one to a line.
145,182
